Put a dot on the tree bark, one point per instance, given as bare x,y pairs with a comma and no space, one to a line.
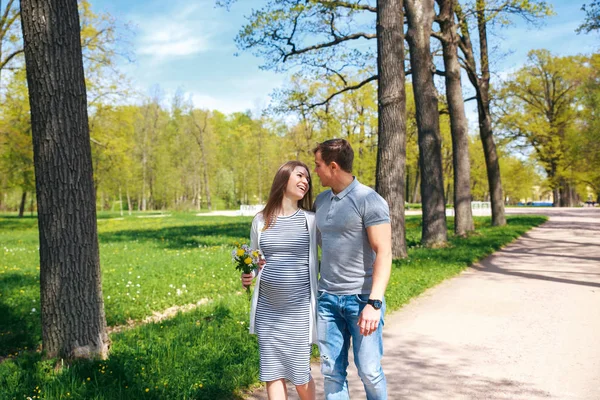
420,14
391,149
72,307
463,216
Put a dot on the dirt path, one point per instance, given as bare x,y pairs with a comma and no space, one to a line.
522,324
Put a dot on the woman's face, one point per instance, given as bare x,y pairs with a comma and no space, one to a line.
298,183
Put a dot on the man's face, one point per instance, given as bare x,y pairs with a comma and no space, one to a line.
323,170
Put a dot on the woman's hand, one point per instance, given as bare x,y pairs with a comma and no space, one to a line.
247,279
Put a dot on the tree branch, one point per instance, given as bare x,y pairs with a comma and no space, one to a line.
347,88
345,4
10,56
339,39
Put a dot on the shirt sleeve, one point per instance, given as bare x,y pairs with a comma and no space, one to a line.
376,210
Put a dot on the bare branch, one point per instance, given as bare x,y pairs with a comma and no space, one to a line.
345,4
10,57
347,88
338,40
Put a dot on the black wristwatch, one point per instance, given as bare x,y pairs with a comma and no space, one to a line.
375,303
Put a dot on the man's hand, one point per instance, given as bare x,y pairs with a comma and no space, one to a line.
368,321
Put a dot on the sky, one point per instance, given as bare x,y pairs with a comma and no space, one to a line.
189,46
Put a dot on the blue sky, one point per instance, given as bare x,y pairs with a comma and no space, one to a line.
189,45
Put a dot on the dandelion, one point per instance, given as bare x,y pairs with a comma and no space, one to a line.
147,390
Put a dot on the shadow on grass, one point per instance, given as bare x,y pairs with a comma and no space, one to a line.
13,222
176,237
203,354
19,327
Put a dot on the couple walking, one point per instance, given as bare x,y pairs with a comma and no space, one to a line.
292,307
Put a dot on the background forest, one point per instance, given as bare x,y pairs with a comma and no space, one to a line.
157,152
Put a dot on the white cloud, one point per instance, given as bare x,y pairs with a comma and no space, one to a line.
227,105
177,34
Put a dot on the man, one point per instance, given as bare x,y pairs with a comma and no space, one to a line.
354,224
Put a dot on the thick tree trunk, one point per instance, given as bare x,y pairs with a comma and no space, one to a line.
72,307
22,205
463,216
485,123
420,14
391,149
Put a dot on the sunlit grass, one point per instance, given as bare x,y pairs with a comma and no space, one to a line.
151,264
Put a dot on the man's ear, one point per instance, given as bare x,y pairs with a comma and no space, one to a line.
334,166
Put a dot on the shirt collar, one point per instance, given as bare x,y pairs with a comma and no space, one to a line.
347,190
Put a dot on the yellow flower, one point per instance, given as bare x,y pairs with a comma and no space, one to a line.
248,260
147,390
255,253
240,252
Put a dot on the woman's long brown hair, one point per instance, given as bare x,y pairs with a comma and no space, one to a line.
278,189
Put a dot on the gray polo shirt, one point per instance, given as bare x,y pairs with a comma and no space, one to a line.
347,257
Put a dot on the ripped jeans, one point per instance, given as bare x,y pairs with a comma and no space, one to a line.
337,323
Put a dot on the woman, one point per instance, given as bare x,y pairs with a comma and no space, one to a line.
283,310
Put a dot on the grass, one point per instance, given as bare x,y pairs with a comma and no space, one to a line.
150,264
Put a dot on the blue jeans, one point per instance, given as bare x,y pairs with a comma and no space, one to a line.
337,323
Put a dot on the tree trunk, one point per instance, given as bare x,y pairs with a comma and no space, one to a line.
22,205
72,307
129,205
420,14
391,149
415,194
200,141
485,123
463,216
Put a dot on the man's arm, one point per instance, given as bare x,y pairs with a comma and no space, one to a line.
380,239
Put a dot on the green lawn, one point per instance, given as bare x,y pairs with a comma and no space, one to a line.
151,264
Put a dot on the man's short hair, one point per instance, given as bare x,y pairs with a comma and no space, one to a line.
338,150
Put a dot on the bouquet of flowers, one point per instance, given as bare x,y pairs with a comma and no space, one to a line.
246,260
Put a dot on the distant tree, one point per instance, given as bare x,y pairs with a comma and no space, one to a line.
73,320
477,65
540,108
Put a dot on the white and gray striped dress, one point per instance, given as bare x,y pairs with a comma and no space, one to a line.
283,310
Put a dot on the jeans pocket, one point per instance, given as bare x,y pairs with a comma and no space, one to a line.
362,298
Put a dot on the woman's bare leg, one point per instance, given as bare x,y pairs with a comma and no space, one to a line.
276,390
307,391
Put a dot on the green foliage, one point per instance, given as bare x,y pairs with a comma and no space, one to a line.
541,103
205,353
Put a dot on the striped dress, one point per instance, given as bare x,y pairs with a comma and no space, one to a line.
283,309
